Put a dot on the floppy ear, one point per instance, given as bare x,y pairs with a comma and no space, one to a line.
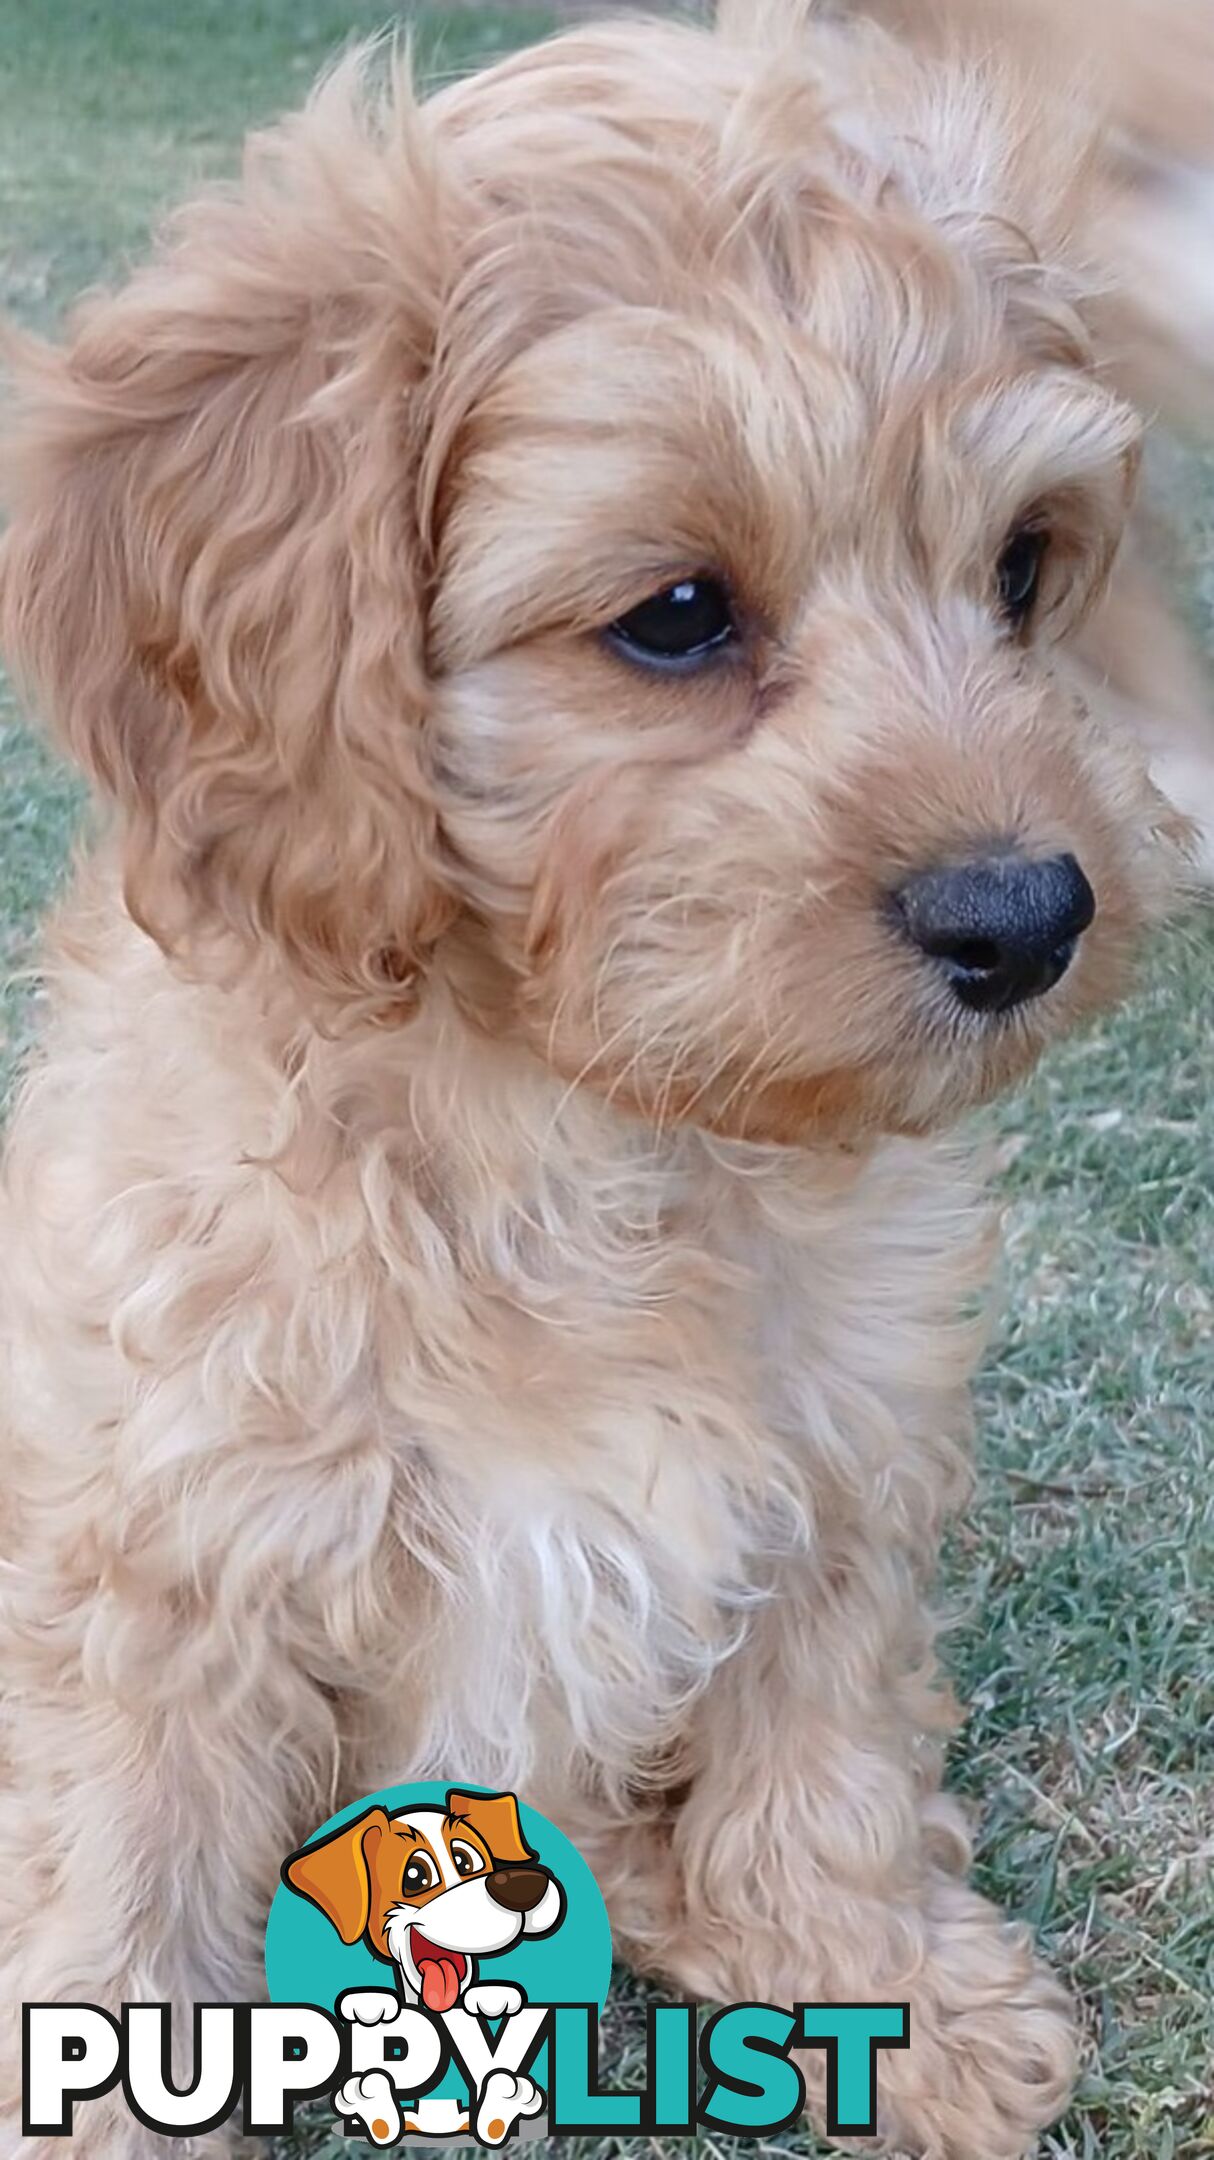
213,572
336,1874
495,1818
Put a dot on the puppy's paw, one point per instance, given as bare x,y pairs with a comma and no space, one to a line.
370,2102
506,2097
494,1999
992,2055
368,2006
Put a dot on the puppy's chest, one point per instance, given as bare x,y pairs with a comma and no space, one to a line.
611,1396
666,1401
676,1421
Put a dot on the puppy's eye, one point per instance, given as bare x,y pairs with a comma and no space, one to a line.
467,1862
1019,574
420,1874
685,623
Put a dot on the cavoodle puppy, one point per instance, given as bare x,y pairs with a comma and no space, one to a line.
573,597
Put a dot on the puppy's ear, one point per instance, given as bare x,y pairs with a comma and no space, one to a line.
495,1818
336,1874
213,573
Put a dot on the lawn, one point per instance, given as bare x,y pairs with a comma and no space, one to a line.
1082,1582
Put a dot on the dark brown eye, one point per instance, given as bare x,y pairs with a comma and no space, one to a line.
682,624
1019,573
419,1875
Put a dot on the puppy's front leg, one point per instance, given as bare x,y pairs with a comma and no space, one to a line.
141,1839
820,1861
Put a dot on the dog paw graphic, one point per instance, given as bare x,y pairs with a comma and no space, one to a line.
504,2099
368,2006
371,2101
494,1999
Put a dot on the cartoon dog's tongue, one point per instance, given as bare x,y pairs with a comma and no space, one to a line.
440,1972
440,1983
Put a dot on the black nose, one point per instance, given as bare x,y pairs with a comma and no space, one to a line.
519,1889
1001,929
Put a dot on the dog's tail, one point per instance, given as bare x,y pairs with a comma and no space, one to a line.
1147,69
1159,66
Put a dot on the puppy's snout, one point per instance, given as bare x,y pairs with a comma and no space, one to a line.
519,1889
1000,929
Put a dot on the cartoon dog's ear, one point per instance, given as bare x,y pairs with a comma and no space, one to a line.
495,1818
336,1874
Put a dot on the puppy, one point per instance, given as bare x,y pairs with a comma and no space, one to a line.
570,595
467,1868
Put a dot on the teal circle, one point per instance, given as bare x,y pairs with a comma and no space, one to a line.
307,1961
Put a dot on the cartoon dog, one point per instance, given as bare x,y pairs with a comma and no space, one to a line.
469,1869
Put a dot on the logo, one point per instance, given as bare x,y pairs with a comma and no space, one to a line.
443,1923
437,1960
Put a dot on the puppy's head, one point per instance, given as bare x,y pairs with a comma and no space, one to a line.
609,540
431,1889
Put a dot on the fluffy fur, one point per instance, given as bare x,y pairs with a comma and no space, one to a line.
486,1294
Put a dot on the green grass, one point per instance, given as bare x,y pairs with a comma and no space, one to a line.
1083,1580
111,108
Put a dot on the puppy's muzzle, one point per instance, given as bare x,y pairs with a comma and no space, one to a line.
1000,930
518,1889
